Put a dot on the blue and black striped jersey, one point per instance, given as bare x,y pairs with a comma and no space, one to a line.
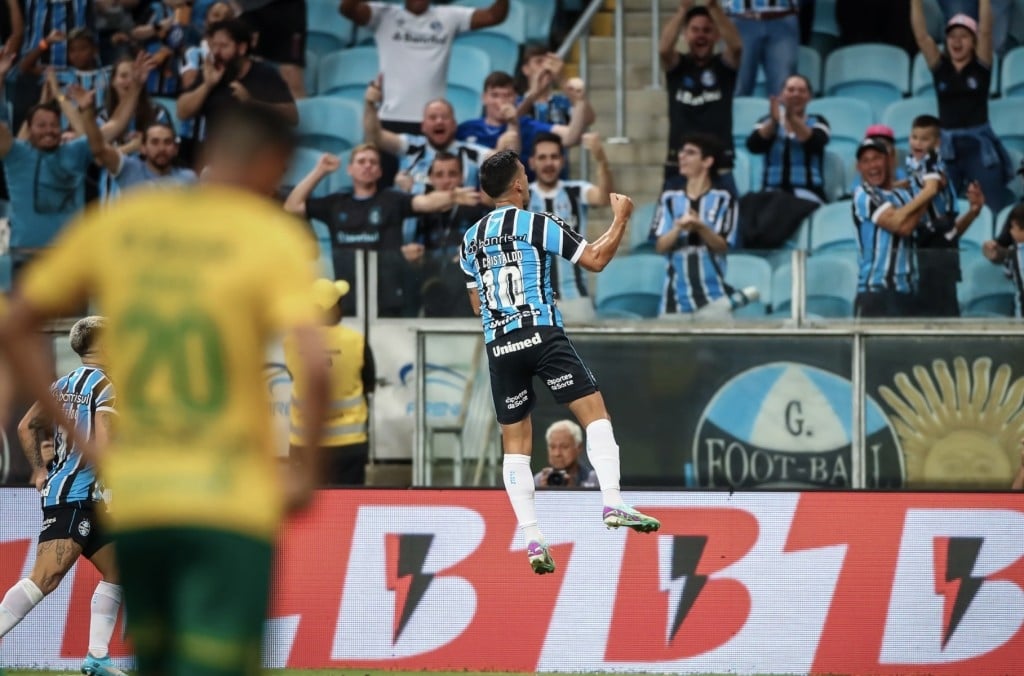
507,257
940,217
567,201
83,393
886,260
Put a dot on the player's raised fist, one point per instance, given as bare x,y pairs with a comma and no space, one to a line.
622,206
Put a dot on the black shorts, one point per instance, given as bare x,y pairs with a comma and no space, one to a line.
545,352
281,27
77,521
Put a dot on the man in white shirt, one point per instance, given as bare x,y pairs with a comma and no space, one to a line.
414,44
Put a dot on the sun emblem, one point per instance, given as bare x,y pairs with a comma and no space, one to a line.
959,428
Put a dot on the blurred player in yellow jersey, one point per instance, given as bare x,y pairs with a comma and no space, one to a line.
345,442
194,282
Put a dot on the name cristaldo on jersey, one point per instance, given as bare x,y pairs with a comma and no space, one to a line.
516,346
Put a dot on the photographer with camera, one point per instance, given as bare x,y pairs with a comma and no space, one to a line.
567,467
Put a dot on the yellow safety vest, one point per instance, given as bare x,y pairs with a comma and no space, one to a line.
347,413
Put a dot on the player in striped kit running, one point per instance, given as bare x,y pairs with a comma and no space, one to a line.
70,497
507,258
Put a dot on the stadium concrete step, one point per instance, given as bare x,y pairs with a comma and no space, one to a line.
639,101
666,6
636,152
602,76
602,50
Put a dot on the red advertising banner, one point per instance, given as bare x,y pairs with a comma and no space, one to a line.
879,583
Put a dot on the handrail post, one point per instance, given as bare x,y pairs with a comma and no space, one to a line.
585,74
620,74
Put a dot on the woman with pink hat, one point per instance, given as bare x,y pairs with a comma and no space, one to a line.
962,76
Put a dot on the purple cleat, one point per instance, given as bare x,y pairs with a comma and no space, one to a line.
540,558
624,515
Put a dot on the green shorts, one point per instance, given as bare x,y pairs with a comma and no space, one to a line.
196,599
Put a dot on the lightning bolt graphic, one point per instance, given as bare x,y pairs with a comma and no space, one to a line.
958,585
407,553
686,553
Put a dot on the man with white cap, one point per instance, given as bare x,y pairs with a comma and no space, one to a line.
345,446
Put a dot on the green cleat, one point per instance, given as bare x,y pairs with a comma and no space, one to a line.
540,558
624,515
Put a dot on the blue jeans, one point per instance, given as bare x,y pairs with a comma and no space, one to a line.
969,166
775,44
1000,17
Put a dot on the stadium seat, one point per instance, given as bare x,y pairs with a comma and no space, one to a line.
1007,118
831,285
809,65
985,290
1016,184
981,229
5,273
921,83
936,21
501,41
745,182
848,119
874,73
1013,73
746,111
171,106
468,68
311,71
640,227
1001,218
835,176
329,124
832,228
631,286
327,30
825,30
539,16
801,239
303,162
744,270
345,74
900,115
782,290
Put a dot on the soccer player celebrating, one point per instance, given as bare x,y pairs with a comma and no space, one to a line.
195,281
70,495
507,260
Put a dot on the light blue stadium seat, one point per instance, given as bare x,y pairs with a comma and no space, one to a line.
303,162
801,239
782,290
329,124
632,286
985,289
640,227
345,74
981,229
831,284
832,228
6,273
745,182
743,270
900,115
1001,218
172,109
922,84
539,16
326,29
808,64
310,72
835,176
746,111
1013,72
1016,184
848,119
1007,119
502,41
876,74
468,68
825,30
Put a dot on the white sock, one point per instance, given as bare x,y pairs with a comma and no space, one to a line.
19,600
106,601
603,453
519,486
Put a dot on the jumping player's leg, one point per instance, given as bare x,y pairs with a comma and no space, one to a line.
517,438
602,450
106,603
54,559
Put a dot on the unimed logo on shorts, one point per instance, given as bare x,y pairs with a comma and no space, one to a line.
791,425
517,345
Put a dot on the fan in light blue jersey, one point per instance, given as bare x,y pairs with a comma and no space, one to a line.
569,201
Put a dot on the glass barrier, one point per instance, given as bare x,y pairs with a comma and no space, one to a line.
866,407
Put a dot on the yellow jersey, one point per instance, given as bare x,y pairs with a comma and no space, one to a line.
194,282
347,412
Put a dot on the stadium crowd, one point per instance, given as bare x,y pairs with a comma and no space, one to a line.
397,104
